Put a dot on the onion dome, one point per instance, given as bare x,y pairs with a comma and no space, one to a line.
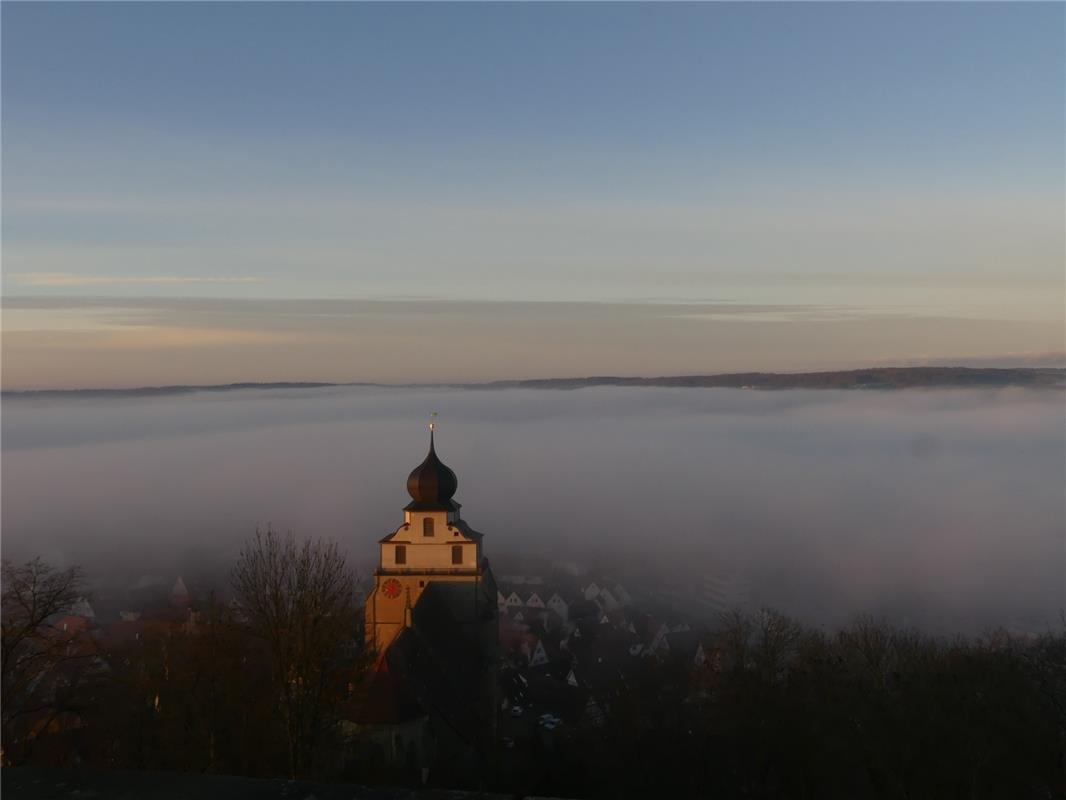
431,484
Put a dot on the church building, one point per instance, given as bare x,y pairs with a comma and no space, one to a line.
432,630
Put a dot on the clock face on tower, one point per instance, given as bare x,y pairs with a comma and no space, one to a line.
391,588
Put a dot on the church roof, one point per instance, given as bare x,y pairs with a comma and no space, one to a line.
432,484
465,530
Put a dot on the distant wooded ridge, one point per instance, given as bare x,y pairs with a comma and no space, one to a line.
871,378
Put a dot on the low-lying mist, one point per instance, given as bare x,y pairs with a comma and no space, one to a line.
941,509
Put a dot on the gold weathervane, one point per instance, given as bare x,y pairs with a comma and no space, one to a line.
433,422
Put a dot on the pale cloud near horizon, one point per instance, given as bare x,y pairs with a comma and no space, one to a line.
101,342
57,279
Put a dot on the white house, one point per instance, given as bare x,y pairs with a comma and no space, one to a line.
559,606
700,659
607,601
658,641
539,655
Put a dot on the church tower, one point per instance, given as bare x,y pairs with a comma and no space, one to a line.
433,545
432,626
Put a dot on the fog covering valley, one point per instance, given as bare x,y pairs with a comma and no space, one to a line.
942,509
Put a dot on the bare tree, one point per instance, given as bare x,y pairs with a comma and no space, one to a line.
33,646
299,598
777,640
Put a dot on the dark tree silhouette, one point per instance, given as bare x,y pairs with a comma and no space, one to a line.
38,653
299,599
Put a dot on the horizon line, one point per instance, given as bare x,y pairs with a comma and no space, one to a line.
559,382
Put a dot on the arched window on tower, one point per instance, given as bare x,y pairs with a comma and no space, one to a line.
427,526
457,554
401,554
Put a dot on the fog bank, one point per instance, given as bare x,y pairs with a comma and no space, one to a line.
943,509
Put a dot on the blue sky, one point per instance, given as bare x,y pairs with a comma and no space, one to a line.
905,158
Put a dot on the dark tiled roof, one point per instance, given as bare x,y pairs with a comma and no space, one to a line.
418,505
683,644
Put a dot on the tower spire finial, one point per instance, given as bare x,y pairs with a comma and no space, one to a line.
432,427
